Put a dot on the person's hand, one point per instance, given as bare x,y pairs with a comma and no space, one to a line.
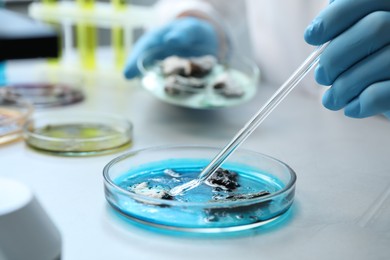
179,34
356,63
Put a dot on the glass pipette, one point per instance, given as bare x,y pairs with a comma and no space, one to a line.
253,123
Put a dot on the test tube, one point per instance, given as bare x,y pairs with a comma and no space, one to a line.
118,36
49,2
52,4
86,38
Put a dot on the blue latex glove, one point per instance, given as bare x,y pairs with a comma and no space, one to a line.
179,34
357,61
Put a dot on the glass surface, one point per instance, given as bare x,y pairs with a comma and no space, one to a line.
13,114
265,189
78,134
241,74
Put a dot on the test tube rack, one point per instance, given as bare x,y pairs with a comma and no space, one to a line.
119,17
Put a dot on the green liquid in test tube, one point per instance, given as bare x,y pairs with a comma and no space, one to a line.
118,36
86,38
49,2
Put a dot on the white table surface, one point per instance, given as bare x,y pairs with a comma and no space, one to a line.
342,206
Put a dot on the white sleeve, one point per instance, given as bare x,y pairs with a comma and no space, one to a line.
167,10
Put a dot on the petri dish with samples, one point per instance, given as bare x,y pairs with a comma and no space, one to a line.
196,78
78,134
248,191
45,90
13,114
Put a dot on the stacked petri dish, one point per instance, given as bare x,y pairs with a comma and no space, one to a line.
45,90
14,112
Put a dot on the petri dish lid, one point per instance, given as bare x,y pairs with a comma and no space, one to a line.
45,94
78,134
45,88
14,112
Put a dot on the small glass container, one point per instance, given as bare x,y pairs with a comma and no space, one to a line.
265,189
78,134
239,75
13,115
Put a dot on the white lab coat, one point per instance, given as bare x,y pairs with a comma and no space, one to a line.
269,30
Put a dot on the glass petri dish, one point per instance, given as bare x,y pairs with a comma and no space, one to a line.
81,134
46,90
239,73
265,190
13,115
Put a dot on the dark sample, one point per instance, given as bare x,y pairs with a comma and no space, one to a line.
227,87
174,65
227,181
201,66
184,76
252,212
188,67
145,189
224,179
176,85
234,197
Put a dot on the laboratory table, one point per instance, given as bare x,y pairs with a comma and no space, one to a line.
342,203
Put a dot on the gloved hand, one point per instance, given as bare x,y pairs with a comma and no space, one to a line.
357,61
179,34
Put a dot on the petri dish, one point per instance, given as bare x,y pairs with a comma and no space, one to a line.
264,190
199,92
78,134
45,90
13,115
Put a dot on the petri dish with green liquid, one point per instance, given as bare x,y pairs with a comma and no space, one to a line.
80,134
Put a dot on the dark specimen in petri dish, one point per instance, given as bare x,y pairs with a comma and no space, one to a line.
223,179
201,66
251,212
247,196
188,67
226,86
145,189
177,85
184,76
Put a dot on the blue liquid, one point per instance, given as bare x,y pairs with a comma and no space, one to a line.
2,72
205,206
